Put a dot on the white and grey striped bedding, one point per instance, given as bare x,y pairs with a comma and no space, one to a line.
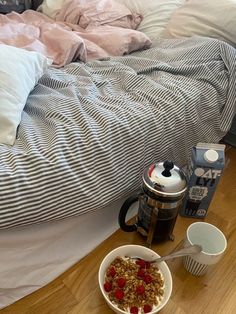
88,130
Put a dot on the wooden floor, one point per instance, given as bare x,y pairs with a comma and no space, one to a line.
77,292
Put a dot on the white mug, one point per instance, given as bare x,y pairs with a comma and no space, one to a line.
213,244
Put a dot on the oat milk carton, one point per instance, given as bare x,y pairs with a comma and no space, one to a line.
205,168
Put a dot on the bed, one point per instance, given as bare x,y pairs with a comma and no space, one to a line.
87,131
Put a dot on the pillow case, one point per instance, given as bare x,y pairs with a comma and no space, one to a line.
156,14
96,13
51,7
211,18
87,13
20,71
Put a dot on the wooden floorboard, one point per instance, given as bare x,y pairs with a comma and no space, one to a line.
77,292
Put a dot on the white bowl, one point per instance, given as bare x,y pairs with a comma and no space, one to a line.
144,253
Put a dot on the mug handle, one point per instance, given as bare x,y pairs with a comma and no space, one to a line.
123,212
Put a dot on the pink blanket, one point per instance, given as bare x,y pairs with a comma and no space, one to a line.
83,30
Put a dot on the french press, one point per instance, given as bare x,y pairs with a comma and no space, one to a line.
163,189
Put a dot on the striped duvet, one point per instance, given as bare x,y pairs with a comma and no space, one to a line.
88,130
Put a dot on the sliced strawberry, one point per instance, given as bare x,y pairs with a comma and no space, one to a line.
140,289
119,294
141,263
147,308
147,279
107,286
121,282
134,310
111,271
141,273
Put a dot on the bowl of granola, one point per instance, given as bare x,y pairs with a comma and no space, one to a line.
134,285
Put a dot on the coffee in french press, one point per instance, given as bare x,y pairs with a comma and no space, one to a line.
163,189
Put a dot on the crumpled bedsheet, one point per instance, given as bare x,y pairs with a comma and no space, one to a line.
82,31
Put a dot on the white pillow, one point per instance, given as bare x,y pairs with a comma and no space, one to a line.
211,18
50,7
20,71
156,14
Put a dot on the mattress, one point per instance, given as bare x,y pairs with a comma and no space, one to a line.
89,130
33,256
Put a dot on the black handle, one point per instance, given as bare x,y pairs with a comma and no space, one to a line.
123,212
168,165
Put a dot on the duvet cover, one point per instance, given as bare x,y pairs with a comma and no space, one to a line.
88,130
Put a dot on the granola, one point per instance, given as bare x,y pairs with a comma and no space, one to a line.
134,286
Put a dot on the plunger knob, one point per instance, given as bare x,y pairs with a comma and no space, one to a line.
168,165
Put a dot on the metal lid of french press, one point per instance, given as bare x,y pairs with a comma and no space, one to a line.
165,179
